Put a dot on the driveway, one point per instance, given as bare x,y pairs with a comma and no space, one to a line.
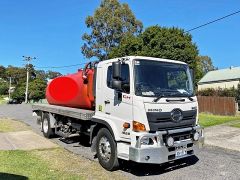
212,162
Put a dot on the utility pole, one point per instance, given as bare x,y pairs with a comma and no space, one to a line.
27,59
9,91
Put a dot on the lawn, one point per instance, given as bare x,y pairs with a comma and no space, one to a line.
8,125
50,164
2,100
236,125
20,164
55,163
207,120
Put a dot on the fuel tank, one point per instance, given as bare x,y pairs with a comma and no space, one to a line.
73,90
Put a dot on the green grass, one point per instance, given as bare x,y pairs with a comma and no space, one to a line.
54,163
237,125
2,101
8,125
24,164
207,120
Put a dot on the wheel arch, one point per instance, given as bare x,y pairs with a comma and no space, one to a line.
96,127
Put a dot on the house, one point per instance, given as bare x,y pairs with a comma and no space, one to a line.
223,78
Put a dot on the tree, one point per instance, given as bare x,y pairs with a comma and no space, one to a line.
238,93
205,64
161,42
2,72
18,74
110,23
52,74
41,74
19,92
3,87
37,89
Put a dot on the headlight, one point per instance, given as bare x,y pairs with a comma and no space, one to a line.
196,136
170,141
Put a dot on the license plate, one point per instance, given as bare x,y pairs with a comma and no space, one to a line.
180,152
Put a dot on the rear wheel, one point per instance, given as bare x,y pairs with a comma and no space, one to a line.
46,128
107,150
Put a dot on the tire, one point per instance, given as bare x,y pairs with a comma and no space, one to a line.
107,150
46,128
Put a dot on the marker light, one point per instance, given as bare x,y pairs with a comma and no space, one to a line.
126,125
137,126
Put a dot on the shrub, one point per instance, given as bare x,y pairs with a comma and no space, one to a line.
232,92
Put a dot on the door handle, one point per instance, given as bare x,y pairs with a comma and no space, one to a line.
107,102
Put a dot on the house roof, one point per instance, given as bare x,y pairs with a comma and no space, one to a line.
221,75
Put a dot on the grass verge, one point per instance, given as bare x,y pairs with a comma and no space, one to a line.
50,164
24,164
2,100
236,125
56,163
207,120
8,125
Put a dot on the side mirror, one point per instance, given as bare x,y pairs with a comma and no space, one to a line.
117,84
116,70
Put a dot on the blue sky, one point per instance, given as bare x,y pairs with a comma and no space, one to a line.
51,30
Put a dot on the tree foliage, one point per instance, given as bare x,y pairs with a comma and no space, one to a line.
37,89
203,66
3,87
238,93
160,42
222,92
110,23
52,74
19,92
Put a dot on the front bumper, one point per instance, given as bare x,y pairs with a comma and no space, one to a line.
160,152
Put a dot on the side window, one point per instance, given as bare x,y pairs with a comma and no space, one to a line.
125,78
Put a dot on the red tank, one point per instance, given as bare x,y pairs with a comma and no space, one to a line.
73,90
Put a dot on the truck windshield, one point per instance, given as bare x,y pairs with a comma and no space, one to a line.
162,79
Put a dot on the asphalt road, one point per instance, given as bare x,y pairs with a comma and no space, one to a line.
212,162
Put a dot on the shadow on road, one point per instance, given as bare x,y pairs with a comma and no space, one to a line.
12,176
82,140
151,169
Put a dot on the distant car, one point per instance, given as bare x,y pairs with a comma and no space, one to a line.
14,101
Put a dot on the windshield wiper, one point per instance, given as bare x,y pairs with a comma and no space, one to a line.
190,98
158,98
182,95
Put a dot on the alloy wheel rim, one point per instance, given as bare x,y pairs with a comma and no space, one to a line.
105,148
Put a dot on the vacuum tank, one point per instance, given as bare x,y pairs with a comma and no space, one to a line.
73,90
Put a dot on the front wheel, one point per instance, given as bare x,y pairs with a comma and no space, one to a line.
107,150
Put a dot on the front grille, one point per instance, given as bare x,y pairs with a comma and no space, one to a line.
162,120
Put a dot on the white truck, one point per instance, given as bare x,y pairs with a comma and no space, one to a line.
145,111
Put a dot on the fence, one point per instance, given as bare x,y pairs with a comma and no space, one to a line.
217,105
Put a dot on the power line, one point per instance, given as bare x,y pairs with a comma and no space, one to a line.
55,67
210,22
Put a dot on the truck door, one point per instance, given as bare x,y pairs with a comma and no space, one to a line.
119,110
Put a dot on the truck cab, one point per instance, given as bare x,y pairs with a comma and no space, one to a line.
149,107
